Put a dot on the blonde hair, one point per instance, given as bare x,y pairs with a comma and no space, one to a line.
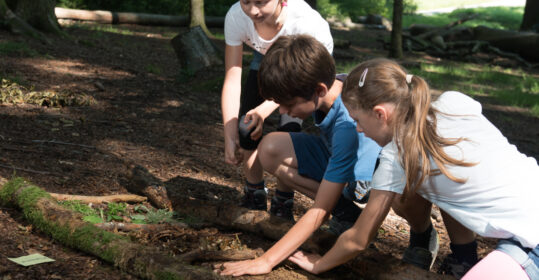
284,12
413,121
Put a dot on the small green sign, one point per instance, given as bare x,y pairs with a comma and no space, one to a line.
31,259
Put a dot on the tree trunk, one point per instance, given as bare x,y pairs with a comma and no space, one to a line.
530,20
396,33
38,13
197,16
195,51
17,25
68,228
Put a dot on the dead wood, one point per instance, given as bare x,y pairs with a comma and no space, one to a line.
195,50
68,228
226,255
143,182
133,18
100,199
147,228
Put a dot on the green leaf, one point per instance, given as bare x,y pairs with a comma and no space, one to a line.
138,217
94,219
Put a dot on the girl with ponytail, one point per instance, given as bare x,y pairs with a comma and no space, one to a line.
445,152
258,24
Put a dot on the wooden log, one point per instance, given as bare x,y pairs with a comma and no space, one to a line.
143,182
525,44
195,51
226,255
147,228
68,228
133,18
100,199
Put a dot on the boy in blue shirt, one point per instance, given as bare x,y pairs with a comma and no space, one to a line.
298,73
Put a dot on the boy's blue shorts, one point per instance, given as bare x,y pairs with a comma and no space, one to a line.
312,155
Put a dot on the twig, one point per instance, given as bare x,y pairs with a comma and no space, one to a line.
100,199
29,170
63,143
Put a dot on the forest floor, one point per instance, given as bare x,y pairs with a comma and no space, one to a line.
144,111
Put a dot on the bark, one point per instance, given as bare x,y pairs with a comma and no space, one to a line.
227,255
100,199
195,51
525,44
197,16
396,32
68,228
17,25
142,182
530,20
39,14
133,18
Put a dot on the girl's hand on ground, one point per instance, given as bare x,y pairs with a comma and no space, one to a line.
305,261
256,124
251,267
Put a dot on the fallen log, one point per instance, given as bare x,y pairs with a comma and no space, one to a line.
68,228
100,199
147,228
133,18
227,215
143,182
226,255
525,44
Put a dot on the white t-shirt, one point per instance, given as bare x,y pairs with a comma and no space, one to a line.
301,19
500,198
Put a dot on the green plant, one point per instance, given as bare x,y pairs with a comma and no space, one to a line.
16,48
78,206
115,211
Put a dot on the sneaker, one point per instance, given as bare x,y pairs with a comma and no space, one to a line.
255,199
421,257
451,266
338,226
282,209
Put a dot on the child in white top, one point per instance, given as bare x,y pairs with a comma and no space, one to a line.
447,153
258,23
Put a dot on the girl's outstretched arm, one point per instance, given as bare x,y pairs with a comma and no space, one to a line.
230,100
327,196
352,241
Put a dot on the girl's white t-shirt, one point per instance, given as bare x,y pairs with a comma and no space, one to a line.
500,198
301,19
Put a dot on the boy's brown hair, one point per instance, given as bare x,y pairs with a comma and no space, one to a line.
293,67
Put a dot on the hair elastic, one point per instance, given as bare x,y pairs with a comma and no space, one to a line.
409,78
284,3
362,77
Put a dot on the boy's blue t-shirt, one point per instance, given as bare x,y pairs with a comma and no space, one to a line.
353,155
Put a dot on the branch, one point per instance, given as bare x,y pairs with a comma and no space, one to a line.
100,199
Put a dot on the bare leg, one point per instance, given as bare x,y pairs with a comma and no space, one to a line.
252,169
416,210
458,233
277,156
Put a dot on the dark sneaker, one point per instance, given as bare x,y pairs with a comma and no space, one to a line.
451,266
337,226
421,257
255,199
282,209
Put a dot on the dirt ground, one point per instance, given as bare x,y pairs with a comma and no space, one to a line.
149,114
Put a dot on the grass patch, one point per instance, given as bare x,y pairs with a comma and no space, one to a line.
154,69
508,86
17,48
508,18
425,5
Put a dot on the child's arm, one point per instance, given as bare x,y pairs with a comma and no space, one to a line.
352,241
230,100
325,200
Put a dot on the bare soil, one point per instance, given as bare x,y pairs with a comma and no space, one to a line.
148,113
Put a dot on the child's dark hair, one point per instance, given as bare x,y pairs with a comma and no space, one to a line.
413,120
293,67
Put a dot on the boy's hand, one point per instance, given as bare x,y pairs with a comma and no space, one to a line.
305,261
231,152
251,267
257,122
